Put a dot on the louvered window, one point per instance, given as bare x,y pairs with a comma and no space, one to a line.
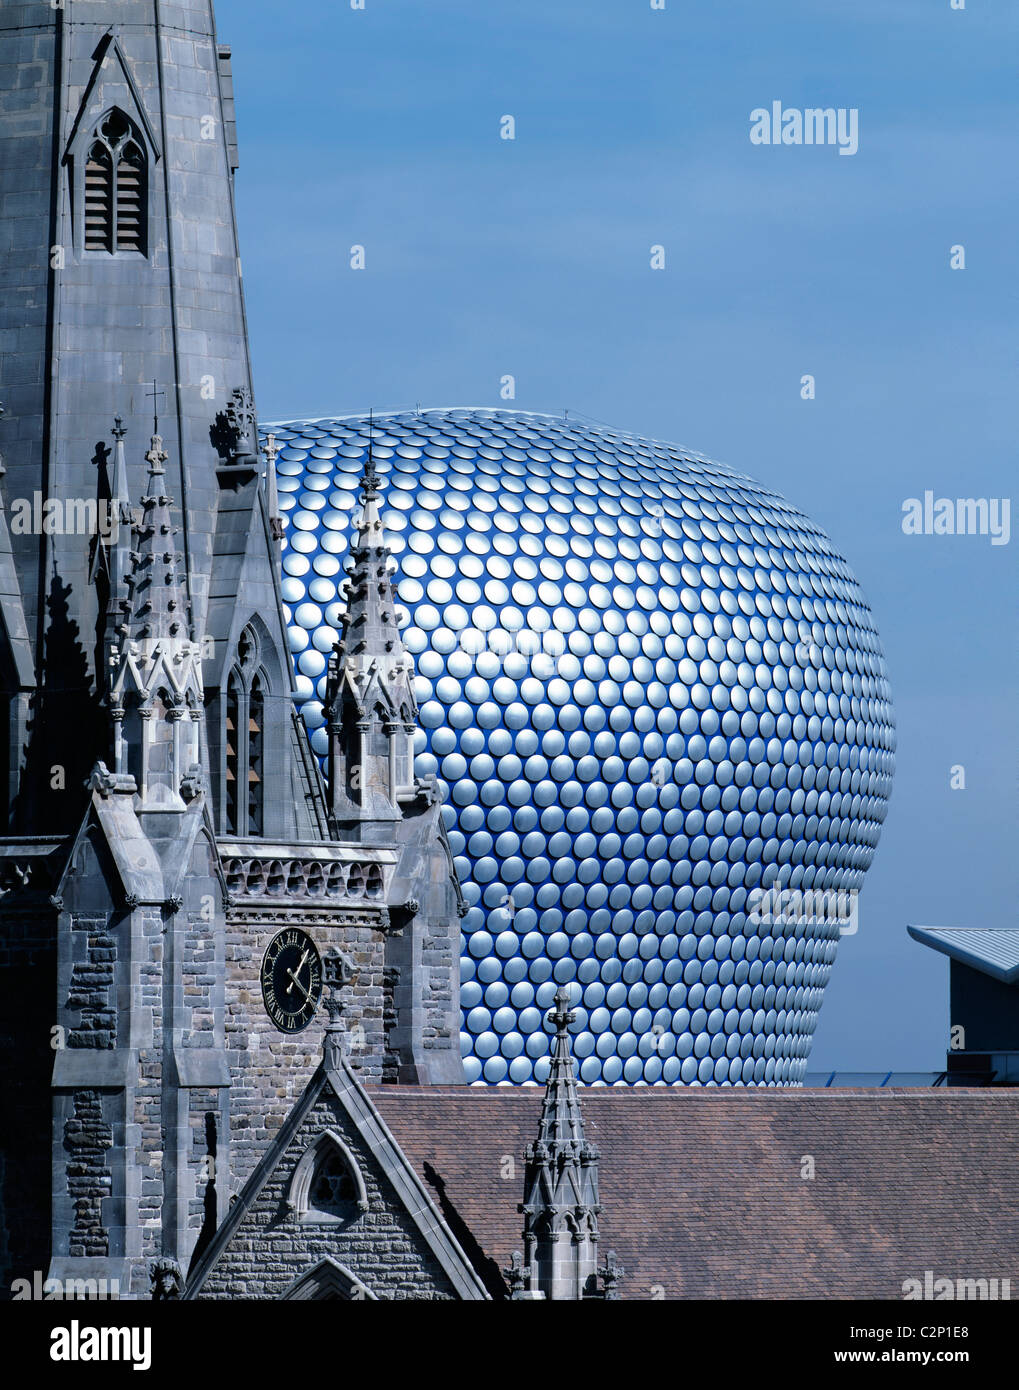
247,706
116,188
130,199
99,199
256,724
232,752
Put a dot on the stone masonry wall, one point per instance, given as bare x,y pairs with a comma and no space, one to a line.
381,1247
270,1069
148,1116
87,1137
92,979
28,987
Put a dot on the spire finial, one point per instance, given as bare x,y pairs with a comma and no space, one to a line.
156,457
272,450
370,480
561,1015
155,394
560,1203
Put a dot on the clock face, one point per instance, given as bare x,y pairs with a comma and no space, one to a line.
291,980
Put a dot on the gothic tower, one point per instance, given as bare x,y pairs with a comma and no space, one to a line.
123,298
166,836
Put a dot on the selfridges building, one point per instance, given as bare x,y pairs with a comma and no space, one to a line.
655,700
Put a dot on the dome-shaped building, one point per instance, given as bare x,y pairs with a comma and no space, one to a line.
655,699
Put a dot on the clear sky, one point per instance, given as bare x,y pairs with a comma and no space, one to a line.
485,257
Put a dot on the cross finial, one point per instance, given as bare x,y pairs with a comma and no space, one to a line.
561,1015
118,427
155,394
370,481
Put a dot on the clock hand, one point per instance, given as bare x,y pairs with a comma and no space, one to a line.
297,982
293,975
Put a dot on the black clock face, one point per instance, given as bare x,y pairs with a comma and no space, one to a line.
291,980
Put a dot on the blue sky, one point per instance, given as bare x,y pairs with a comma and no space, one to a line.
531,257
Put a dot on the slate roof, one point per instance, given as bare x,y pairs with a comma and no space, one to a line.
702,1194
992,950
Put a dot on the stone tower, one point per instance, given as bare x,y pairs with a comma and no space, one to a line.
124,298
165,821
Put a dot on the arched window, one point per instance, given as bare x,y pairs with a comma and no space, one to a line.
116,188
327,1185
256,733
233,762
333,1191
404,751
247,739
329,1282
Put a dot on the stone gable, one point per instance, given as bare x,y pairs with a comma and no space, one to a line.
383,1240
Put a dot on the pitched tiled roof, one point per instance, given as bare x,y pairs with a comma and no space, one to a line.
703,1193
993,950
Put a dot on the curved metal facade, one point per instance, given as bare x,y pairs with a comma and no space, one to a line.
653,692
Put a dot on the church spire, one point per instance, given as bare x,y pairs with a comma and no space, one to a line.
370,706
156,697
561,1130
560,1203
120,499
369,633
157,605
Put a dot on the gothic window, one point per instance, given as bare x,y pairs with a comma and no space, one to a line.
130,198
333,1191
244,740
233,764
329,1282
327,1185
404,751
116,188
256,731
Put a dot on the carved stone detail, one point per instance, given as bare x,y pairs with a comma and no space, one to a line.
303,878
